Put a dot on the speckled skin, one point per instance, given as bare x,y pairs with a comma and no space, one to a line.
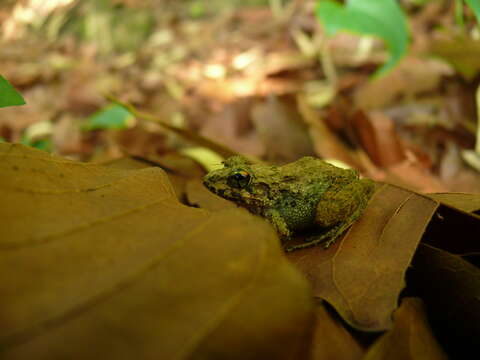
304,194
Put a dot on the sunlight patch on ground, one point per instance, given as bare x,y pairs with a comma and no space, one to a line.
24,14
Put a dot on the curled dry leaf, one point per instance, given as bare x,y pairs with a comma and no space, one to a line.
363,275
465,202
378,136
331,340
284,135
326,144
455,231
450,288
104,263
410,337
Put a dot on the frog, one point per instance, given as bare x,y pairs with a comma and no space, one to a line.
305,195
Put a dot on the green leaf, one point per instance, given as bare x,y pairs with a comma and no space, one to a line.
43,144
40,144
381,18
111,117
8,95
475,6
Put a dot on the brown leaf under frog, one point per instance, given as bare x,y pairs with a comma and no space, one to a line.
308,194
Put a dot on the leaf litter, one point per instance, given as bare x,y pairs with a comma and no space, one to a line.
96,229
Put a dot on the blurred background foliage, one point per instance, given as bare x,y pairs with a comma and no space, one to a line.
260,76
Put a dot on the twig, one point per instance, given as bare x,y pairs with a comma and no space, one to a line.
184,133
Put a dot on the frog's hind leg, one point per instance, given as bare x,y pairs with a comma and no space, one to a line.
327,238
338,211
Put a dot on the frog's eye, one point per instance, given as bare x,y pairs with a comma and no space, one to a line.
239,179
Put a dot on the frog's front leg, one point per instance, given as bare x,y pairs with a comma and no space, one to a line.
279,223
329,237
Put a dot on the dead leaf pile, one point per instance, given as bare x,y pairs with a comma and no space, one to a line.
104,261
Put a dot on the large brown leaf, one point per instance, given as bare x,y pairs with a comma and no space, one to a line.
363,275
103,263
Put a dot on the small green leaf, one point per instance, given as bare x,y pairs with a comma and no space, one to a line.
381,18
40,144
111,117
475,6
43,144
8,95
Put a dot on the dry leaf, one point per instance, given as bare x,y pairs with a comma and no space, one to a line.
462,52
278,62
412,174
454,230
410,338
379,138
465,202
411,77
232,126
331,340
280,127
326,144
450,288
104,263
128,163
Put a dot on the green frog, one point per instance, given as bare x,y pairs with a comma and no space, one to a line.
306,194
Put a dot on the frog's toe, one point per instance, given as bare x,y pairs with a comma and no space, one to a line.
329,242
316,238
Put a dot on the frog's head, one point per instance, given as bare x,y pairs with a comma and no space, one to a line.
235,181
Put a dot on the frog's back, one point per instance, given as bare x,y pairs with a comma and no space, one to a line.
313,169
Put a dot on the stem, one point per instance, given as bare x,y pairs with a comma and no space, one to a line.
184,133
327,63
477,100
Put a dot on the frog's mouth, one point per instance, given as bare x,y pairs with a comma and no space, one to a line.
222,192
208,183
205,183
